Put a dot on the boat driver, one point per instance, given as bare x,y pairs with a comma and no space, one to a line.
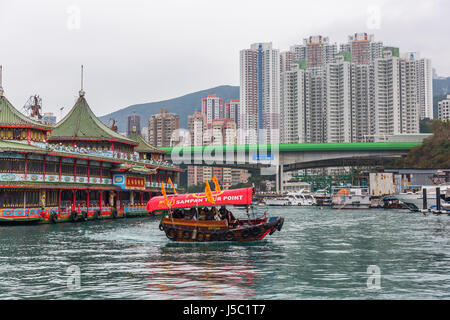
223,213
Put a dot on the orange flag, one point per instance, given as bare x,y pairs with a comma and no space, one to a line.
216,183
171,183
163,191
208,193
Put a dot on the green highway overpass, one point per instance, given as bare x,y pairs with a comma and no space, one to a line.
291,156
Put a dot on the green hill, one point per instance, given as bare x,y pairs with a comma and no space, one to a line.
183,106
434,152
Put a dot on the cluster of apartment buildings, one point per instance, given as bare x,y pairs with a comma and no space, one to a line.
215,124
319,92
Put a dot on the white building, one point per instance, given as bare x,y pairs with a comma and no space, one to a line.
232,111
319,50
387,96
315,105
292,105
287,58
424,76
396,103
363,111
212,108
444,109
338,100
260,94
363,48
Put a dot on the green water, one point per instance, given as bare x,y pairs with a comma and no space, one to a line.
319,254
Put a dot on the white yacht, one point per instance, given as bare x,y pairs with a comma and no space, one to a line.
301,198
277,201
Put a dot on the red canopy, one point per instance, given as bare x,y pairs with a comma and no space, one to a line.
226,197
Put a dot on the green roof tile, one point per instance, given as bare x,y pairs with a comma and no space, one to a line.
10,116
144,146
82,124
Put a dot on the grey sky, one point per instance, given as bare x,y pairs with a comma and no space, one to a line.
143,51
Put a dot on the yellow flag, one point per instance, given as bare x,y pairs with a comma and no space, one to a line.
216,183
171,183
163,191
208,193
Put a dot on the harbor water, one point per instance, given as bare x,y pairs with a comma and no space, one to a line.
319,254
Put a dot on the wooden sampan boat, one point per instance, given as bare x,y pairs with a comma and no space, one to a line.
197,230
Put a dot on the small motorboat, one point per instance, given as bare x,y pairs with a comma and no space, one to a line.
195,217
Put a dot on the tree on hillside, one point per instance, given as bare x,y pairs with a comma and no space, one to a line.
434,152
426,126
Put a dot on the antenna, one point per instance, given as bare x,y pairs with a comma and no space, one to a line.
81,91
1,87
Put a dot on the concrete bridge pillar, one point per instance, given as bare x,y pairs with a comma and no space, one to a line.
279,179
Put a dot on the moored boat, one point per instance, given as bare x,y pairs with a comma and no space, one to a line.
195,218
351,198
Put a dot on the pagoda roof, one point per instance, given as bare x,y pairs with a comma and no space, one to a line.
144,146
82,124
11,117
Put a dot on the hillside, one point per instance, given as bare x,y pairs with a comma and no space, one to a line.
183,106
434,152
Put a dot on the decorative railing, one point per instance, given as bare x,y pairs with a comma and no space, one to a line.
102,153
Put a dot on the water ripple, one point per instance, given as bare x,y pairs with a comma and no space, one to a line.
319,254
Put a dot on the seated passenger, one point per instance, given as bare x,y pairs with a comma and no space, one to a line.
223,212
202,214
178,214
230,217
211,214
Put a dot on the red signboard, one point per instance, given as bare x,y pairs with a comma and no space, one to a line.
134,183
227,197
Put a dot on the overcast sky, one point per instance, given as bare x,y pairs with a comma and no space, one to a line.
143,51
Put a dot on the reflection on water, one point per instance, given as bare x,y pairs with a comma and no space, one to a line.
318,254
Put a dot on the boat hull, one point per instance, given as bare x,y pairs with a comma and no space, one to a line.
181,230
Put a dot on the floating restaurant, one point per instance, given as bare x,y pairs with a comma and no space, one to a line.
76,171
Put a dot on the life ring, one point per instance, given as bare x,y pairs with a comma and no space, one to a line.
161,227
187,234
114,213
84,215
201,236
213,236
245,233
229,236
74,216
171,233
97,214
54,217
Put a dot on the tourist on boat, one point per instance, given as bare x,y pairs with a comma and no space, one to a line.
211,214
191,214
230,217
202,214
223,212
178,214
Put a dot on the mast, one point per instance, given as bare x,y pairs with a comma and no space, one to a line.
1,86
81,91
